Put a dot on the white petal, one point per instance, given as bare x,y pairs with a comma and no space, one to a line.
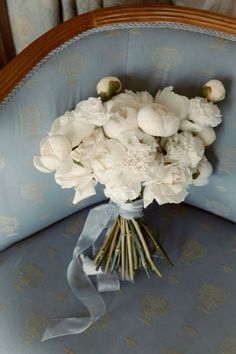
50,162
56,145
175,103
190,126
38,164
83,193
74,128
123,120
207,135
65,166
155,120
77,175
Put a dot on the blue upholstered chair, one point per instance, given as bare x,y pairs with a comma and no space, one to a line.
192,309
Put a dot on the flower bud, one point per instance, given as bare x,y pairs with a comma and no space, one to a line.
214,91
108,87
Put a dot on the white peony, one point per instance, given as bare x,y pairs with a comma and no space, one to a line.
54,154
72,126
154,119
122,190
137,140
140,155
92,111
202,173
204,113
125,118
131,99
72,177
175,103
184,148
80,178
207,135
80,155
168,185
214,91
106,160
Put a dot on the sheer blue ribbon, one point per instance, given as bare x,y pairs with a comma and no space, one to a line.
80,267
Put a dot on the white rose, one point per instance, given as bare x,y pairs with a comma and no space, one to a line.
154,119
92,111
202,173
71,126
214,91
108,86
55,153
122,120
204,113
175,103
169,185
184,148
106,160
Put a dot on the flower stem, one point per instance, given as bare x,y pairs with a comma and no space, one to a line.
122,251
143,242
112,247
130,256
155,242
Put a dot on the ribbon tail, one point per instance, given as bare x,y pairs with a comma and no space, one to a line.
85,291
98,219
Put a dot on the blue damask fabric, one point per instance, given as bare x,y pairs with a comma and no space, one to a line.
190,310
145,59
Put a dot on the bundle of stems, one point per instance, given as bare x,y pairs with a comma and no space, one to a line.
126,249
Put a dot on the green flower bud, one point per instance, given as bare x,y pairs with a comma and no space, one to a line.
214,91
108,86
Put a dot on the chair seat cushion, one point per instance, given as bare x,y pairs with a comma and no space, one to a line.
190,310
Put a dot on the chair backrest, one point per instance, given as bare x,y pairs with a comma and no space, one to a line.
148,47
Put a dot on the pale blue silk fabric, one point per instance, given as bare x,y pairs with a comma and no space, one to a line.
189,310
31,200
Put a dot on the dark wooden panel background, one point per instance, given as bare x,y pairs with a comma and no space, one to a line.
7,50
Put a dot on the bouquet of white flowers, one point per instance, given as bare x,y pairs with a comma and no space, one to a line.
141,148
